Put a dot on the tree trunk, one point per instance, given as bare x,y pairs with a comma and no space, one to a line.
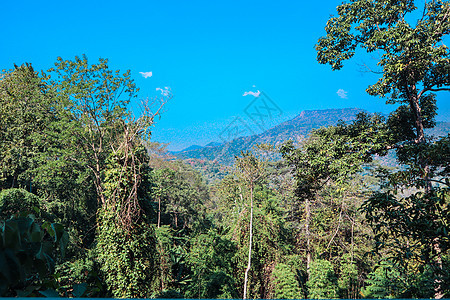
14,180
98,180
352,240
250,244
308,234
98,186
176,220
159,211
420,134
438,294
417,111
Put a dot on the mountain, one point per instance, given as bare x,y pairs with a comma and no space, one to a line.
190,148
212,160
294,129
213,144
441,129
196,147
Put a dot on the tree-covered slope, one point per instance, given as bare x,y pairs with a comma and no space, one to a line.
294,129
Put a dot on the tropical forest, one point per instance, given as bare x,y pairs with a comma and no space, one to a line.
333,203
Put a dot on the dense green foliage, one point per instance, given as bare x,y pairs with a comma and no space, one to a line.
285,283
15,200
322,282
383,282
210,259
89,206
28,255
127,259
410,227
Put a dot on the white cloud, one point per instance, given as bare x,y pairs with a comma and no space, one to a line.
256,94
165,91
342,94
146,74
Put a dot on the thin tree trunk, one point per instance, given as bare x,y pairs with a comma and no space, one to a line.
420,138
418,120
159,211
438,294
13,181
352,241
308,234
98,181
250,244
176,220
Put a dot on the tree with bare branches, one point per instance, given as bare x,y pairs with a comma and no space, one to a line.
95,102
104,136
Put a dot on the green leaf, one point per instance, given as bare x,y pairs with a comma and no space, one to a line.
27,291
11,235
63,242
58,231
50,293
4,269
79,289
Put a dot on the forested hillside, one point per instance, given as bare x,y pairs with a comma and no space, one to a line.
92,206
213,161
296,129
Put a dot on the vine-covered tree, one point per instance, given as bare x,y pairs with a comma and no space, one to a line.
105,138
96,101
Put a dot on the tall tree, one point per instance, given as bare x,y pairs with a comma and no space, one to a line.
104,137
415,63
25,113
329,156
95,99
251,169
415,60
32,134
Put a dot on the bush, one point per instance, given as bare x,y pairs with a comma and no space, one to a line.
322,282
285,284
13,201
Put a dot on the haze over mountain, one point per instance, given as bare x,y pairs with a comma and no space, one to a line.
295,129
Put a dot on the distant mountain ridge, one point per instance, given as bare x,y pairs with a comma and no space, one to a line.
196,147
295,129
192,147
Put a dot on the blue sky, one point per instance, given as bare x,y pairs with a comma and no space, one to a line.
208,52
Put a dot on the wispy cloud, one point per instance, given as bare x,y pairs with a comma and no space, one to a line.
256,94
146,74
164,91
342,93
